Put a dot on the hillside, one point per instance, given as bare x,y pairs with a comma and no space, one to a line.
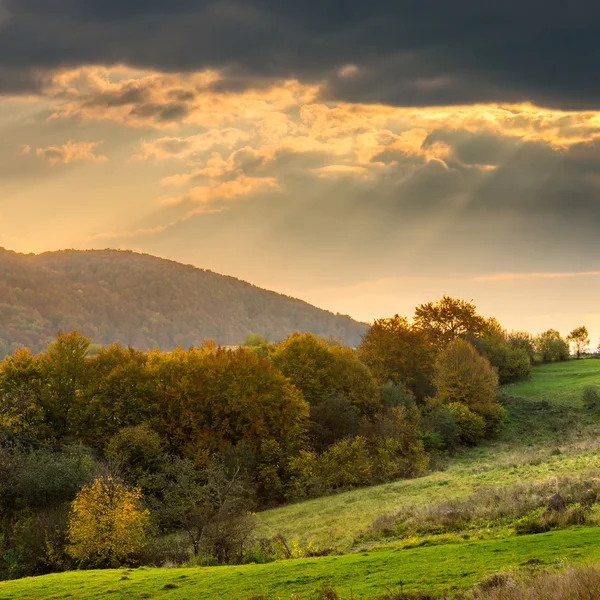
137,299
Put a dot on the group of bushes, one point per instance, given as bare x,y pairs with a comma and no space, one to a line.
194,440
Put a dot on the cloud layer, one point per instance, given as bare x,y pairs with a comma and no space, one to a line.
403,53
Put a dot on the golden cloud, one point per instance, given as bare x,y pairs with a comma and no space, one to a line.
69,152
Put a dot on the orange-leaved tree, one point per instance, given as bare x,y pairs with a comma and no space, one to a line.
107,523
463,376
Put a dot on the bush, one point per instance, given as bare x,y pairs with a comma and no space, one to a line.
591,399
136,450
346,464
471,427
441,429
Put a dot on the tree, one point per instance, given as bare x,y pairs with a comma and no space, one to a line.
550,347
107,523
333,419
20,389
259,345
211,506
63,372
463,376
398,352
521,340
319,368
512,364
448,319
579,337
120,392
209,400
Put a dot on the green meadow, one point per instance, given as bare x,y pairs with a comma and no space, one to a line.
435,569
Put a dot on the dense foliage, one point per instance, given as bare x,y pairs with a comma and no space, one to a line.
145,444
144,301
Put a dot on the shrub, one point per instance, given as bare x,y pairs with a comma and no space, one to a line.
591,399
346,464
441,429
471,427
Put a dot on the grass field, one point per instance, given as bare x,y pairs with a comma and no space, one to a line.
548,435
364,575
559,383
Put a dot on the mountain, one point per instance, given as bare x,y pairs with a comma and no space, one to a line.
145,301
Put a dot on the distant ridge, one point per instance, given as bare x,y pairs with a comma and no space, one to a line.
144,301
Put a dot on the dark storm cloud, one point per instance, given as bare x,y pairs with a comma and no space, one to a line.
410,52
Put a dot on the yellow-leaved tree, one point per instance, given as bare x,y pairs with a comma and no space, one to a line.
107,523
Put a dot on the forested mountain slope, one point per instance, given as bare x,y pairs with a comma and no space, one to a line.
137,299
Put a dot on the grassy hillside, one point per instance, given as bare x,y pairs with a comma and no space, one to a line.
512,476
364,575
547,435
145,301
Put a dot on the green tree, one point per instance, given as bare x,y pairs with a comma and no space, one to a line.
63,371
521,340
212,506
550,347
120,392
20,391
580,338
259,345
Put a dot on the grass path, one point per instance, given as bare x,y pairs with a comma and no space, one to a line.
365,575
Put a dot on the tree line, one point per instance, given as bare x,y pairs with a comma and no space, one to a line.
103,455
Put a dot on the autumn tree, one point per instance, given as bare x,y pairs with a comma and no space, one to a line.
20,389
209,400
463,376
448,319
107,523
580,338
397,351
319,368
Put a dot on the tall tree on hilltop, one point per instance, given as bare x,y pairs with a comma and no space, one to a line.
448,319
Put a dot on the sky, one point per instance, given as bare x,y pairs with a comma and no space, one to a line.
362,156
